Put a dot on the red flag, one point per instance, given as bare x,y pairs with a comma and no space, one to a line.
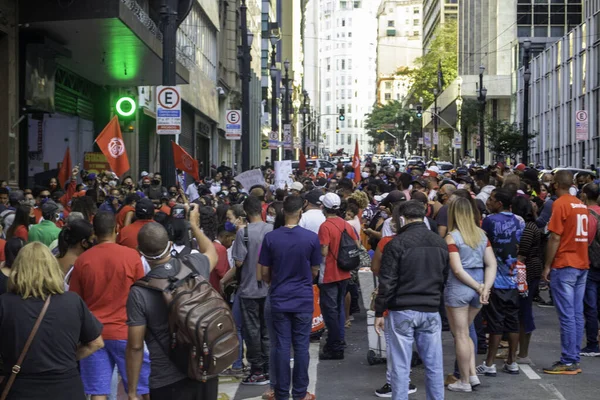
65,169
302,161
185,162
112,146
356,164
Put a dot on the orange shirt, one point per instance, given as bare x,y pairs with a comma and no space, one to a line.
165,208
128,236
37,211
384,241
570,219
121,216
330,234
22,232
102,277
2,245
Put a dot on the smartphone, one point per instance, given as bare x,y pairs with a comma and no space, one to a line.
178,212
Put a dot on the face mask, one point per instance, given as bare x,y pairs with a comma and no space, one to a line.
270,219
440,197
580,186
53,185
225,192
543,195
32,221
460,186
384,215
173,194
30,202
155,182
145,185
229,226
365,175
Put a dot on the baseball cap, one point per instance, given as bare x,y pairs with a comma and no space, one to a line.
434,168
430,174
144,174
297,186
49,208
421,182
380,198
331,201
144,208
91,177
321,183
394,197
520,167
314,197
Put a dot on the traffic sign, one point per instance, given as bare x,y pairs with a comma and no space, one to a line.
287,137
168,110
435,138
233,125
581,125
273,140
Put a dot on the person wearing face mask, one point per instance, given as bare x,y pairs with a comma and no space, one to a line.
75,238
112,203
155,190
583,178
273,211
46,231
443,196
312,216
127,211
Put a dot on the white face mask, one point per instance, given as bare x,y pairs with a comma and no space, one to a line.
270,219
365,175
460,186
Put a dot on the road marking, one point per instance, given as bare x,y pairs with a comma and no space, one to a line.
529,372
550,388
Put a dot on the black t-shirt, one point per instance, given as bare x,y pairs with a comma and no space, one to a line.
67,323
3,283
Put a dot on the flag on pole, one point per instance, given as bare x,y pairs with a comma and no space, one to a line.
356,163
65,169
302,161
185,162
112,146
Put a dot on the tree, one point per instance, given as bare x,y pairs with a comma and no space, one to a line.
505,138
424,78
393,118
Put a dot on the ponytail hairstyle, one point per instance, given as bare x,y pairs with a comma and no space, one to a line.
73,234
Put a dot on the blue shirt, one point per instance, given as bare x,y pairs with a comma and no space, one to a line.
290,253
504,231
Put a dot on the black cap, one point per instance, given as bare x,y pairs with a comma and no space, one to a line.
395,196
144,209
314,197
49,208
421,182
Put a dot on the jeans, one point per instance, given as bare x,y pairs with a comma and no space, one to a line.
256,336
426,328
568,289
291,329
590,307
187,389
333,310
269,321
237,318
473,336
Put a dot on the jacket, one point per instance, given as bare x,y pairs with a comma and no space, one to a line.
414,268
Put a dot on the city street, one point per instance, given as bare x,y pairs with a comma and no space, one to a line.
354,378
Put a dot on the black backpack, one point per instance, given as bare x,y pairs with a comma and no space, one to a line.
348,258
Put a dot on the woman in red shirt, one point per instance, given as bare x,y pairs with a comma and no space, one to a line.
20,226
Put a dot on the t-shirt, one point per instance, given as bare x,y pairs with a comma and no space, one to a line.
312,220
147,307
3,283
21,232
249,287
222,266
504,231
102,277
570,219
67,323
128,236
45,232
593,223
290,253
2,245
121,216
442,216
384,240
330,235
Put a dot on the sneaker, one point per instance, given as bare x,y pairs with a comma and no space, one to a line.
412,388
450,379
384,391
590,351
524,360
537,299
255,379
485,370
331,355
559,368
511,368
474,381
460,387
546,304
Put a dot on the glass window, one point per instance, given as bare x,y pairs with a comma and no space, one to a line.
557,31
415,10
388,96
540,31
524,30
357,4
416,22
388,85
327,123
390,24
343,64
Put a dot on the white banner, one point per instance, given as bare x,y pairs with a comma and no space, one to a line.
283,170
251,178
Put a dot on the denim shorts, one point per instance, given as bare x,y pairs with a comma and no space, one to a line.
461,295
97,369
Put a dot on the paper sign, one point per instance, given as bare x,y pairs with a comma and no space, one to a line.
251,178
283,170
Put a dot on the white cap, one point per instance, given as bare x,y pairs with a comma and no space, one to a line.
434,168
379,199
331,201
297,186
144,174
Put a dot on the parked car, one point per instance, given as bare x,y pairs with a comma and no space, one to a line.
328,166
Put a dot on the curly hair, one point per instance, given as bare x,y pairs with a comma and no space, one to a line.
361,199
208,222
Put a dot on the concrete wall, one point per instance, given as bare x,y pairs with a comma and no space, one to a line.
9,153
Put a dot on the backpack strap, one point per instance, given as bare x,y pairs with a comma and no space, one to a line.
183,271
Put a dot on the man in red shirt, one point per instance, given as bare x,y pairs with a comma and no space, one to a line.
144,213
102,276
224,241
332,280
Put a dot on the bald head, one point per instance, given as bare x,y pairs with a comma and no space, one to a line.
153,239
449,189
564,179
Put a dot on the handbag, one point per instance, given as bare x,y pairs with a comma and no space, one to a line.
17,367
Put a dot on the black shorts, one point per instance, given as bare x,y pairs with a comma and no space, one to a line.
502,312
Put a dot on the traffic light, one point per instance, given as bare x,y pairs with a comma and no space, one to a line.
342,117
126,109
419,111
337,129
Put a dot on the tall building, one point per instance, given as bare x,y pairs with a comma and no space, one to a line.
399,44
436,12
347,32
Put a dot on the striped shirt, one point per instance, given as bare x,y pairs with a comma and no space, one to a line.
530,247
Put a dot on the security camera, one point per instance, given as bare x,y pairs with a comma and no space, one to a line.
220,91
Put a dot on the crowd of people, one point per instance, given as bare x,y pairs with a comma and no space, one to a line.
466,250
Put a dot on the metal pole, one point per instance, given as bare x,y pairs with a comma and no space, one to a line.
422,146
435,128
274,111
526,77
286,105
482,93
245,88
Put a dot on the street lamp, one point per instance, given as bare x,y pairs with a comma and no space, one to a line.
421,129
435,121
482,96
274,112
304,111
286,105
526,79
245,60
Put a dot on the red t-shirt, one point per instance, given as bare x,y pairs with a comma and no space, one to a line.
570,219
22,232
221,268
164,208
330,234
102,277
128,236
2,244
385,240
121,216
264,212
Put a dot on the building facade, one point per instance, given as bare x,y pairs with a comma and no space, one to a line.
436,12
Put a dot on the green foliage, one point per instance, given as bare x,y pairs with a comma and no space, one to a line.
385,117
505,138
424,78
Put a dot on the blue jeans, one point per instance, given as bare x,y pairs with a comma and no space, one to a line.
237,318
568,290
291,329
269,321
333,310
590,307
426,329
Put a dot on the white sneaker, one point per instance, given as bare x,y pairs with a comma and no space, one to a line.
485,370
474,381
511,368
524,360
460,387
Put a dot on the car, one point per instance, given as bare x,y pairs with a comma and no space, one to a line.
572,170
312,163
445,166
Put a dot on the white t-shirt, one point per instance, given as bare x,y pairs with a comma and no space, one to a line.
387,227
312,220
175,247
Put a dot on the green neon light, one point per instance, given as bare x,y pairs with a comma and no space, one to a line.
119,106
